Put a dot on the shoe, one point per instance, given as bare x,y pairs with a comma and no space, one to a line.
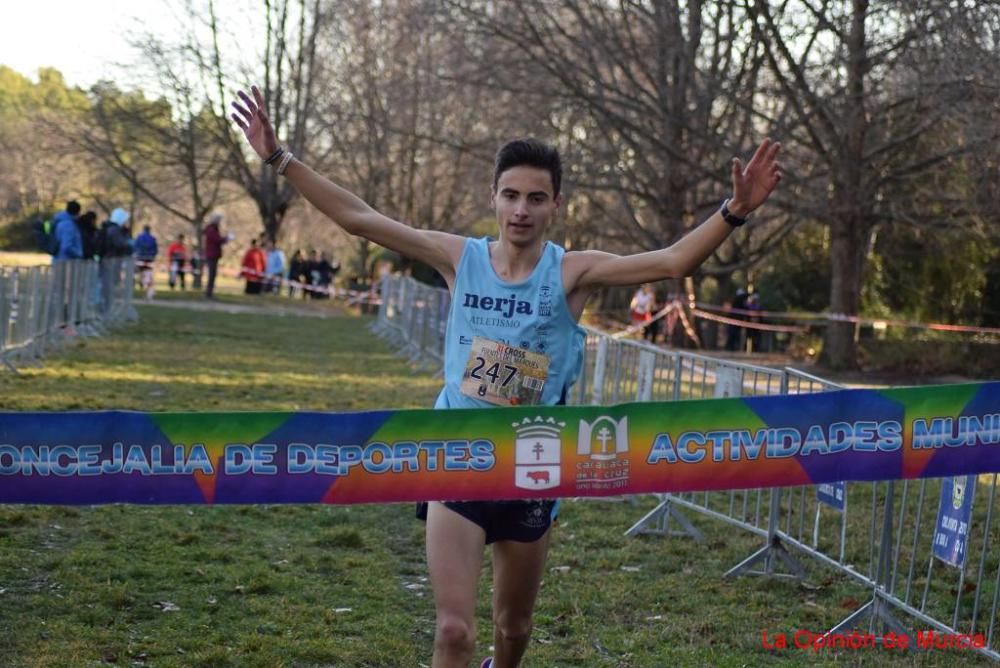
487,662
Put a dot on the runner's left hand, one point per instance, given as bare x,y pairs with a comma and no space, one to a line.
753,184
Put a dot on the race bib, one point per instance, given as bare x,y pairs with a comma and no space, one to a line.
504,375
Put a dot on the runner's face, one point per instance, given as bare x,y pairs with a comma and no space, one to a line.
524,205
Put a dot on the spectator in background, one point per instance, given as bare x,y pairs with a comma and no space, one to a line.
275,267
734,333
652,328
753,334
214,241
146,247
334,270
310,275
296,270
113,244
253,265
67,244
113,238
323,274
195,269
177,256
641,307
87,224
312,272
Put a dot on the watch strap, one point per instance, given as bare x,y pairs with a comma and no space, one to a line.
731,217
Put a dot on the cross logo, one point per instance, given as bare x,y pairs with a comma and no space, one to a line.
603,439
604,435
537,450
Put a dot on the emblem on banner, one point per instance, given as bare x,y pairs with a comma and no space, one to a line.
604,444
536,453
958,492
603,438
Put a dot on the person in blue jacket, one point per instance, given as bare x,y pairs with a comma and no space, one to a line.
512,339
145,248
67,242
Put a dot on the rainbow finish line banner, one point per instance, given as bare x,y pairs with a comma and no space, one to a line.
499,453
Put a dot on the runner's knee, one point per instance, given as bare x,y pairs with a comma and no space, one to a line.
454,634
512,626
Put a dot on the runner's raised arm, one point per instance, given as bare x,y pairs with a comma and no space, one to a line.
438,249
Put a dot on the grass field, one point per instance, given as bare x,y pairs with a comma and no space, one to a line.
345,586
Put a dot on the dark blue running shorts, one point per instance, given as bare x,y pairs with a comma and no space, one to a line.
523,520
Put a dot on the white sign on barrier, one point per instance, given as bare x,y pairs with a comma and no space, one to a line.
644,379
728,382
600,364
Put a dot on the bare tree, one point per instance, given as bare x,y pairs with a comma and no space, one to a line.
287,77
862,104
402,133
656,96
166,149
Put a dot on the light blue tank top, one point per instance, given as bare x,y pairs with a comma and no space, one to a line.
532,314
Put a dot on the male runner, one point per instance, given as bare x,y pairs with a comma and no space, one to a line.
512,339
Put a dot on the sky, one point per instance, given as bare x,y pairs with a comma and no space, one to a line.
84,39
80,39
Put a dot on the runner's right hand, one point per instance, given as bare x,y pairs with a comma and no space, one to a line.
252,119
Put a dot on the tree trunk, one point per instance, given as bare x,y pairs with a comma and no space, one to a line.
849,233
847,256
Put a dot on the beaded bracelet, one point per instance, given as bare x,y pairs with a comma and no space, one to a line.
285,159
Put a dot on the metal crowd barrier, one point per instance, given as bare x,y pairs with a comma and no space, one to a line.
887,549
412,318
42,307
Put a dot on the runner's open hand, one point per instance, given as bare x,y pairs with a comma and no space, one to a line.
752,185
255,124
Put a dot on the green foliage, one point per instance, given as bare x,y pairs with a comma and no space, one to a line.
912,273
20,96
797,274
37,174
139,128
991,294
15,90
936,276
16,235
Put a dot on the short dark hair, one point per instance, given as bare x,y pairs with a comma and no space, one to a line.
529,152
72,207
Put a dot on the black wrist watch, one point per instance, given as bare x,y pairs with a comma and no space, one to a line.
732,218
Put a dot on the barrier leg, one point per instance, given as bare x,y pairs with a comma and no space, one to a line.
878,610
7,363
660,518
774,551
